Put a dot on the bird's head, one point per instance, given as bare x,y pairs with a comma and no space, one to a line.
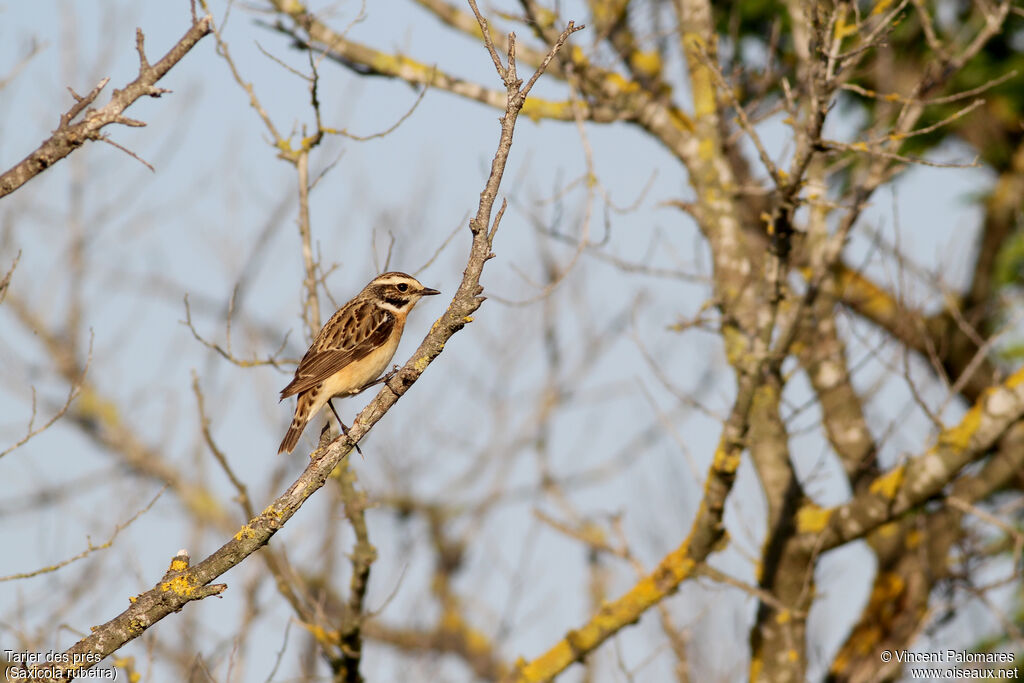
397,292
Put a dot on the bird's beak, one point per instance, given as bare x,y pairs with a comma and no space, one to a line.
427,291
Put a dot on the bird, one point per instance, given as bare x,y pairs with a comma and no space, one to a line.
352,349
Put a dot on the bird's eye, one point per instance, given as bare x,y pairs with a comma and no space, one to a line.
402,287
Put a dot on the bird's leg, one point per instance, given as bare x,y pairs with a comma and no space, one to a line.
344,429
380,380
387,380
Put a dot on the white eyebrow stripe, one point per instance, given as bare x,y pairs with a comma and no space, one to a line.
394,280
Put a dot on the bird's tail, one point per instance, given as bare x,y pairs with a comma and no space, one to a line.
291,437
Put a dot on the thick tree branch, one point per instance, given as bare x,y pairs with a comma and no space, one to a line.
929,336
363,556
467,24
306,29
922,477
909,578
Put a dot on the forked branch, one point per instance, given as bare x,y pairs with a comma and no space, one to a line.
70,136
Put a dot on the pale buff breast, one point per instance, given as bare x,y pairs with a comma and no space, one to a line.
355,375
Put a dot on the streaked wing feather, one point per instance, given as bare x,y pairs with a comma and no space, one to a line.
354,332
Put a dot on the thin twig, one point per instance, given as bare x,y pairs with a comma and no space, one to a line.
502,71
5,282
204,424
863,148
73,392
272,359
90,549
441,248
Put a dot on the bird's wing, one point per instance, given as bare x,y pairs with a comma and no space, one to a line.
352,333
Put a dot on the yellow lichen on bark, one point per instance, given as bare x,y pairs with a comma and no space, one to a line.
888,530
271,511
880,6
475,640
756,667
181,585
321,634
611,617
646,63
888,586
536,109
92,405
889,483
409,69
874,300
726,461
812,519
862,641
959,437
702,85
616,83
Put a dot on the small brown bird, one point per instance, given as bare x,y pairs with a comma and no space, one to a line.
353,348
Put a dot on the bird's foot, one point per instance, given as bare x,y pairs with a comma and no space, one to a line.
344,429
381,380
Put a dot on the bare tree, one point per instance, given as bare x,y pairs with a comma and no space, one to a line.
678,426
